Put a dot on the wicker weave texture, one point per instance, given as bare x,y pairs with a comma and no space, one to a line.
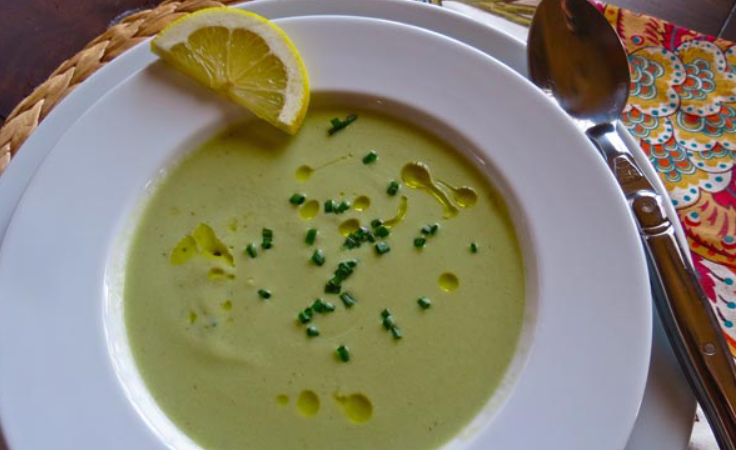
135,28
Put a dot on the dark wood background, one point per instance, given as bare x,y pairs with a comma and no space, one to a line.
37,35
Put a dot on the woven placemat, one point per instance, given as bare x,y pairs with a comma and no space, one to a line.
29,113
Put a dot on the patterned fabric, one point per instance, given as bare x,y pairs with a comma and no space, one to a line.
682,109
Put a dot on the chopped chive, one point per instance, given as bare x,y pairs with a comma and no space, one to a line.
306,315
343,353
382,232
393,188
474,247
382,248
375,223
385,313
343,271
434,228
343,206
426,230
352,263
318,257
330,206
388,322
251,250
370,158
351,242
267,238
318,306
396,332
297,199
329,307
338,124
333,287
348,300
424,302
419,242
264,294
312,331
311,236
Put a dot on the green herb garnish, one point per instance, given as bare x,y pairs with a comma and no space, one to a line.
434,228
356,238
333,287
370,158
338,124
426,230
393,188
318,257
306,315
267,238
382,232
343,353
311,236
385,313
424,302
318,306
388,322
382,248
330,206
312,331
474,247
419,242
348,300
297,199
251,250
264,294
396,332
329,307
375,223
343,206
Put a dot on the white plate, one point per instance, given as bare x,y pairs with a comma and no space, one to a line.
666,415
581,382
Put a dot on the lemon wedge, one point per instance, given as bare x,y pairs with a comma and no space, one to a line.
243,56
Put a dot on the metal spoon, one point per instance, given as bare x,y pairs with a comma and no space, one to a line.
576,56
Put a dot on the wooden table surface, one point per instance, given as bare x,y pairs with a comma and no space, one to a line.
37,35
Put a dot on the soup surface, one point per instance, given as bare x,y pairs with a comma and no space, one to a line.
251,332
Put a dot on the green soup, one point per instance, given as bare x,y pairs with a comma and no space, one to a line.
222,288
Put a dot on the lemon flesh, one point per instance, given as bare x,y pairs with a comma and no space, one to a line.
242,56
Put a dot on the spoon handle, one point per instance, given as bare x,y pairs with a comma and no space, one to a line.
686,313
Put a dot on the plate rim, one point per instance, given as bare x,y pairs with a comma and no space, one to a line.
411,6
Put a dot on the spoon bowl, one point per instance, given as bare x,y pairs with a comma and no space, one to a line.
575,54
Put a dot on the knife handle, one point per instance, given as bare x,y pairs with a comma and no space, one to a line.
683,307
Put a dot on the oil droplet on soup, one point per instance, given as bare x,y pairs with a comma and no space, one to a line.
449,282
309,210
416,175
464,196
362,203
307,403
357,407
400,213
303,173
349,226
282,399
